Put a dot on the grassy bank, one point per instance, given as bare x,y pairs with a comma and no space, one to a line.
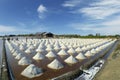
111,70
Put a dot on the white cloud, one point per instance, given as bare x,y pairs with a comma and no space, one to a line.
21,24
97,29
99,12
101,9
108,11
71,3
84,27
41,11
112,22
104,27
4,28
12,30
106,3
19,30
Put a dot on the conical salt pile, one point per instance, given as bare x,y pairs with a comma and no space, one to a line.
31,47
93,51
13,50
88,47
15,53
22,47
41,46
57,47
32,71
50,54
84,48
24,61
49,48
98,49
80,56
71,51
71,60
38,56
78,49
63,47
62,52
19,56
28,51
55,65
88,53
40,50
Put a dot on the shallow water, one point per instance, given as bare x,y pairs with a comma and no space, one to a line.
48,73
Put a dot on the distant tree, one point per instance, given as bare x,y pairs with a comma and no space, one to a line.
31,35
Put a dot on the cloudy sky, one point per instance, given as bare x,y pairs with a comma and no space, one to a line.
60,16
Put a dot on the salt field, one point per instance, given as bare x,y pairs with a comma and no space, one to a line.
43,59
58,39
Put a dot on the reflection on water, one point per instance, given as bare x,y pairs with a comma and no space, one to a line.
48,73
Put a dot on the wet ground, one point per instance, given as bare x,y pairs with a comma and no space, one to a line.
48,73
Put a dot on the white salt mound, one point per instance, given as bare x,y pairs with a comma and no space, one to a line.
98,49
40,50
49,48
28,51
71,51
24,61
84,48
19,56
62,52
31,47
80,56
57,47
93,51
88,53
50,54
78,49
15,53
55,65
22,47
71,60
13,50
63,47
32,71
38,56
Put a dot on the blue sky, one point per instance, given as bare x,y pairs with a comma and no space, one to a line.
60,16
